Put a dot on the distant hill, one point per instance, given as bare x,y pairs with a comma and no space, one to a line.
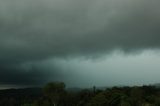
74,89
19,93
28,92
157,85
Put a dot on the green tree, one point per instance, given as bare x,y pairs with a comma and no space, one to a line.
137,96
98,100
54,91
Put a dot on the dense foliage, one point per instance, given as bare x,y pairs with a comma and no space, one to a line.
55,94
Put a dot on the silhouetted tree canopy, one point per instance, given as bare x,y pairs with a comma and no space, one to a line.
54,91
55,94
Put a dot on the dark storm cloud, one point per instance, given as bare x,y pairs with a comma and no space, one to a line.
34,74
32,30
37,29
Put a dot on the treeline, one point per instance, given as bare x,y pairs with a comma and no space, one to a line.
55,94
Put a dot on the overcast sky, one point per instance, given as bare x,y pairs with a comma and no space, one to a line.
80,42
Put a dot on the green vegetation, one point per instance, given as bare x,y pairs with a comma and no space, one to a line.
55,94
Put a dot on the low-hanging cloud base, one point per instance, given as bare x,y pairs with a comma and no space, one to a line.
35,30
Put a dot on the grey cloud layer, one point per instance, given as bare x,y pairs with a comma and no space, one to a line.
37,29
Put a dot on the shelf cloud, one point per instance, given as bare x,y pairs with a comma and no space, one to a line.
35,30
